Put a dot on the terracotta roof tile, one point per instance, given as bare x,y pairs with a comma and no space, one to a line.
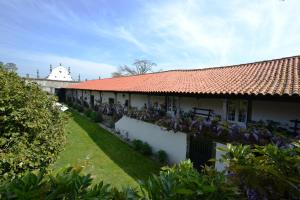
271,77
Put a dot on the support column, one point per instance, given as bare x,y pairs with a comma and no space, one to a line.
249,111
129,100
166,103
224,113
116,98
90,102
100,97
149,101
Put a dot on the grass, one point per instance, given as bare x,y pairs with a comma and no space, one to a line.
102,154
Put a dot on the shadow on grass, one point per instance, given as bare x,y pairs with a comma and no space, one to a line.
133,163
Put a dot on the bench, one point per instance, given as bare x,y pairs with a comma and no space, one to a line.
296,126
207,113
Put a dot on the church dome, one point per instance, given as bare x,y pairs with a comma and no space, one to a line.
60,73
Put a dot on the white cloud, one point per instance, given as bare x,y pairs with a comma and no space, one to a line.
225,32
173,33
128,36
86,68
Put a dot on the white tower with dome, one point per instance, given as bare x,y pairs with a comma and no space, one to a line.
60,73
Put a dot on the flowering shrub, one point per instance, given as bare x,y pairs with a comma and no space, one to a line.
260,132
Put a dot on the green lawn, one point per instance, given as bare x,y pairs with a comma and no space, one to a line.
102,154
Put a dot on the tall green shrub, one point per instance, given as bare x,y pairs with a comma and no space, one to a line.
31,127
265,172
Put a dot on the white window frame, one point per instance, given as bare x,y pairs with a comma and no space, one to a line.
237,108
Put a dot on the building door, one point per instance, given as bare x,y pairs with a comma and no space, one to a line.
92,101
200,151
61,93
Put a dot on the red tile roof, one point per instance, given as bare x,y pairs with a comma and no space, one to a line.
270,77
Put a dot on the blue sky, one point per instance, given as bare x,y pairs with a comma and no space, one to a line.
94,37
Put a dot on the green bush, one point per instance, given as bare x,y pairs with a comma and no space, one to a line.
31,127
70,104
266,172
137,145
111,124
146,149
180,182
96,116
68,184
88,112
162,156
79,108
183,182
143,147
69,101
259,172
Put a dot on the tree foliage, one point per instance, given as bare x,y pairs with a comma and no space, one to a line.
31,127
9,66
139,67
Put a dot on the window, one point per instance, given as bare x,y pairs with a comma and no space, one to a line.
242,116
237,111
231,110
172,103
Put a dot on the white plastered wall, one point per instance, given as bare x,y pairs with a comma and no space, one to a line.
174,144
122,97
106,96
158,99
86,96
220,165
138,100
97,96
187,104
277,111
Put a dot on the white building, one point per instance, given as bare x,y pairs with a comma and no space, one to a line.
266,90
60,73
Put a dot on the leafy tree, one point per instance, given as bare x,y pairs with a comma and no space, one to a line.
10,67
31,127
140,67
